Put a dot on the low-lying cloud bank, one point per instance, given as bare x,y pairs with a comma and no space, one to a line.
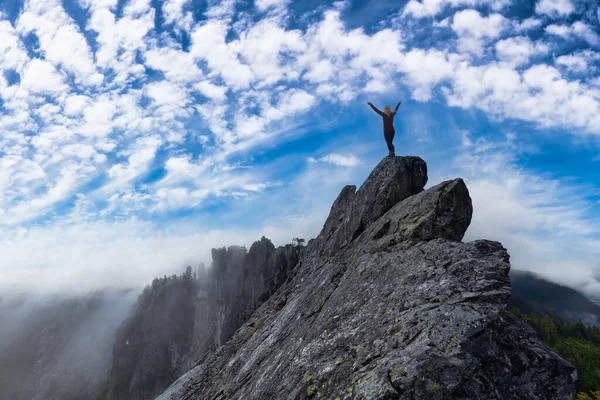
59,346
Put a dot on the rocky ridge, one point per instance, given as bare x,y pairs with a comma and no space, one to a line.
178,320
387,303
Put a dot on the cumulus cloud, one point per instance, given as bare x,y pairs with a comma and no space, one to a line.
539,94
473,29
208,44
576,63
60,40
263,5
12,50
518,50
527,24
430,8
577,30
177,65
174,13
554,7
40,76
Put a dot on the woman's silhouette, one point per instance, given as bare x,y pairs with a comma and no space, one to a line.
388,125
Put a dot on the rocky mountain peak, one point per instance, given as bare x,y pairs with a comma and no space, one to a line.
393,180
387,303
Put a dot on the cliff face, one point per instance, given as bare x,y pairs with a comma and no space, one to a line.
242,281
179,319
387,303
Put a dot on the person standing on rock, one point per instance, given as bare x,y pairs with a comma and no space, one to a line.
388,125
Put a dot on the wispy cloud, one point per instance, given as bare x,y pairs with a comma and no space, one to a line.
340,160
542,221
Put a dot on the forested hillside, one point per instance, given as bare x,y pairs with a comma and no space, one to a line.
577,343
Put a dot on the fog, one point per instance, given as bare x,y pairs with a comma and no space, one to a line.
66,288
52,346
71,258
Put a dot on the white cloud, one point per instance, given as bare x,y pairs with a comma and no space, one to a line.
472,29
41,77
173,10
98,117
118,40
75,104
264,46
426,69
263,5
575,63
577,29
139,158
586,32
177,65
559,30
208,44
296,101
211,91
471,23
527,24
167,93
424,8
60,40
518,50
69,176
430,8
341,160
538,94
540,220
12,51
554,7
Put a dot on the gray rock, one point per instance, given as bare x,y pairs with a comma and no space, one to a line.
242,281
444,211
391,307
181,323
393,180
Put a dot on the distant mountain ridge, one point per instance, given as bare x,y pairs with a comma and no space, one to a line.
533,293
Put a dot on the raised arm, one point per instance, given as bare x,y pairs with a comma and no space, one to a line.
375,108
397,106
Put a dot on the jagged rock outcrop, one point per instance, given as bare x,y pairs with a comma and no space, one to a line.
393,180
241,281
180,319
387,303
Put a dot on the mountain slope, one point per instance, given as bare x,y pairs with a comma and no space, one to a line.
387,303
532,293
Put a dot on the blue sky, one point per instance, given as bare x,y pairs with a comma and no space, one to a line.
137,134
